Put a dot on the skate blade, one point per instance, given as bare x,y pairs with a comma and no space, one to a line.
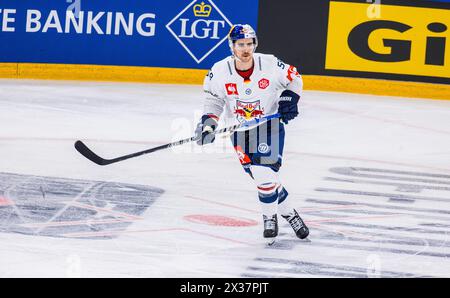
270,241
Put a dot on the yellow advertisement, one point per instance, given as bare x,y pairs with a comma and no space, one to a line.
388,39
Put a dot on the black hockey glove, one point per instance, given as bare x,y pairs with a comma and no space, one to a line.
288,105
204,131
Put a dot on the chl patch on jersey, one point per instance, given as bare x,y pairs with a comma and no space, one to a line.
231,89
246,111
263,83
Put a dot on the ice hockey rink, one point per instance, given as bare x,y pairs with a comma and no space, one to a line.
370,175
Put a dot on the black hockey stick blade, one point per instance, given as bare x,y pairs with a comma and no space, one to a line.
89,154
86,152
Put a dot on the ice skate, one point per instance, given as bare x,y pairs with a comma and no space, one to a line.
297,224
270,229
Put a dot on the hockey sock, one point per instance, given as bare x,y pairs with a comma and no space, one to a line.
284,208
268,196
267,184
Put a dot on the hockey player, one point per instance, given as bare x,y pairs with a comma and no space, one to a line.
245,86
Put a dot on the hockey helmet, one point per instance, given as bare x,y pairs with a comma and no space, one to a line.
240,31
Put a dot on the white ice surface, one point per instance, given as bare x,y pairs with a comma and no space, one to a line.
373,236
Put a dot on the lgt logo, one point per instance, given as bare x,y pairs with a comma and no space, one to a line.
200,28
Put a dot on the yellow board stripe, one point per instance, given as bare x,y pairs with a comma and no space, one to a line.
377,87
196,76
101,73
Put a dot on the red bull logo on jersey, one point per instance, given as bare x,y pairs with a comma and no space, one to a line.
246,111
231,89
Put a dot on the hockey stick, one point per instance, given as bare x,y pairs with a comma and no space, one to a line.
89,154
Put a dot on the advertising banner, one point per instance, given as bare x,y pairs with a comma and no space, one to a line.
396,39
401,40
170,33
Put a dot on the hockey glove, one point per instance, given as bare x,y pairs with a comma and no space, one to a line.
204,133
287,105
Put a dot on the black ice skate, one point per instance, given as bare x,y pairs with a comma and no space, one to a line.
270,228
297,224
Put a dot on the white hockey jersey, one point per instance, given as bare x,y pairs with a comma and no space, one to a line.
229,96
